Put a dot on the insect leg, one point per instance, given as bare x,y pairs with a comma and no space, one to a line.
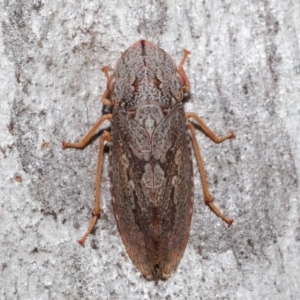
105,96
96,211
207,196
105,70
181,72
207,130
89,135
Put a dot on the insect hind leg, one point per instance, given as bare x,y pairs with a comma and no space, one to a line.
81,144
96,211
207,195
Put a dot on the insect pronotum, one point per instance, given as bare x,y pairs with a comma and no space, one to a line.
151,168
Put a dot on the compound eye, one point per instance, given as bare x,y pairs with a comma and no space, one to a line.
111,83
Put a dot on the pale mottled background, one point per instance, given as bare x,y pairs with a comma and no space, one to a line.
245,75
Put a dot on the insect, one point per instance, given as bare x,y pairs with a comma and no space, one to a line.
150,157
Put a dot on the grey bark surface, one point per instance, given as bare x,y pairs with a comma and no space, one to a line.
244,70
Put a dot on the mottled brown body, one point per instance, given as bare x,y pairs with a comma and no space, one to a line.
150,158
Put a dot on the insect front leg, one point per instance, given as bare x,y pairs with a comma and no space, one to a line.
181,72
109,86
216,139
